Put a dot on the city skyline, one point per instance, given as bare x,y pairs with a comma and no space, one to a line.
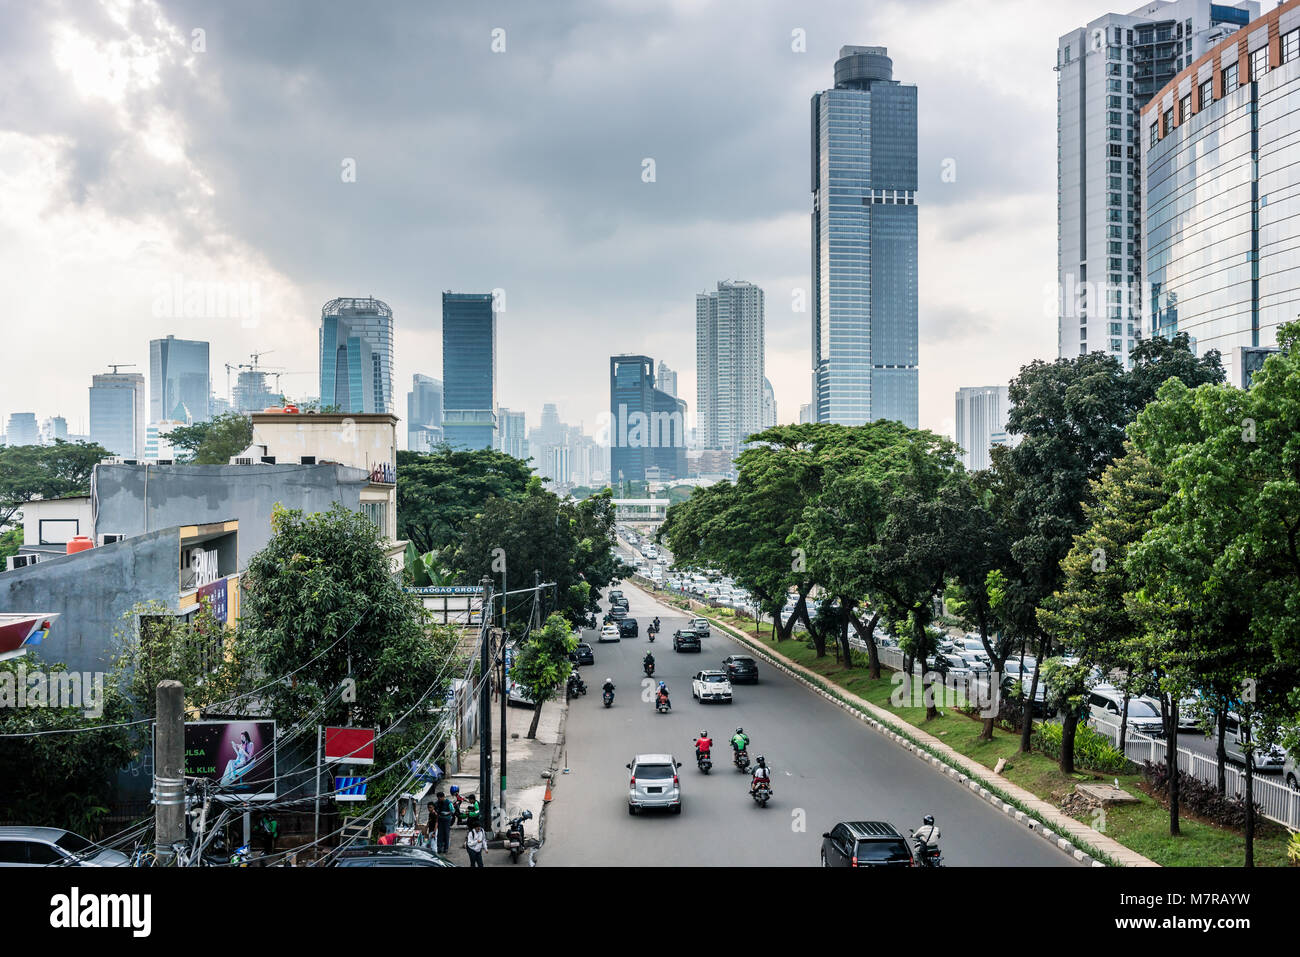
655,242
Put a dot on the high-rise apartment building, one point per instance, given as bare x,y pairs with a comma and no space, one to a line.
667,379
1221,194
117,413
768,417
1107,72
180,380
864,244
424,414
981,423
356,356
647,425
512,427
729,365
469,370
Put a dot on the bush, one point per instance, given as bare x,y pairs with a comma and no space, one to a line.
1092,751
1201,798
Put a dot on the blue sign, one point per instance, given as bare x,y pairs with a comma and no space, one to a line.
445,590
349,789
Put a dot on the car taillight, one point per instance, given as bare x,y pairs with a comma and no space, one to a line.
854,861
674,780
632,783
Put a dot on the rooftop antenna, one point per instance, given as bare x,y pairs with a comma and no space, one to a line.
119,365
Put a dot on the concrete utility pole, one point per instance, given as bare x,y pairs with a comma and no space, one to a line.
169,769
485,707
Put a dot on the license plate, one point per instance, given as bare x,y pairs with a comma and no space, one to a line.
654,790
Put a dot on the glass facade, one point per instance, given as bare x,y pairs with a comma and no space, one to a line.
356,356
117,411
424,413
1223,216
469,366
179,382
864,242
648,426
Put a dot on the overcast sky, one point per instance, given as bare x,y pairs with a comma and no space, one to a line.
134,149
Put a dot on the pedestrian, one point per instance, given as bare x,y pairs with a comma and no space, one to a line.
475,842
445,816
431,828
270,831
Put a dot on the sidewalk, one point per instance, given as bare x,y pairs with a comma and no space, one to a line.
526,764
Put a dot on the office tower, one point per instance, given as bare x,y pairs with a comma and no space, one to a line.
667,379
512,427
117,413
22,429
864,324
729,365
1106,73
768,418
424,414
54,429
648,426
805,413
179,380
356,355
469,370
1221,195
981,423
254,391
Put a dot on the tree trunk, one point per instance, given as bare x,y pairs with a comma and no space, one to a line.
1171,761
818,637
1069,724
1027,732
1221,752
1250,797
1123,722
869,636
846,614
537,716
918,637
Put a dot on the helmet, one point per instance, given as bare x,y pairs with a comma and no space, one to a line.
455,789
609,681
928,819
704,734
761,760
740,731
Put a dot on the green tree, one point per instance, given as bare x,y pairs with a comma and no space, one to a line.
32,472
542,664
439,491
214,442
10,541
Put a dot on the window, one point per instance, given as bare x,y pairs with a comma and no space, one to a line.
1229,78
1115,149
1116,345
1259,63
1291,46
377,512
1116,329
1067,53
1184,109
1155,133
1113,86
1169,120
1207,95
1113,199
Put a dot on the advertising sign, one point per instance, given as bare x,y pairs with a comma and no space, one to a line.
237,756
349,789
350,745
215,595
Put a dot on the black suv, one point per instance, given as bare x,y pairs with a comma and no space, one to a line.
741,669
865,844
686,640
627,628
582,654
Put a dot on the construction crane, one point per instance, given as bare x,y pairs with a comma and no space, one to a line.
119,365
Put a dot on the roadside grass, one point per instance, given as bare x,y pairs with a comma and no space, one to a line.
1143,826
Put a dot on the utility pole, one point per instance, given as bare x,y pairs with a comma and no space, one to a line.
485,706
505,694
169,769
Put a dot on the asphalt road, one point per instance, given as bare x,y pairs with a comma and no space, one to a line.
827,767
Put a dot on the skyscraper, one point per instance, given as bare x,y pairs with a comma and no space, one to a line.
864,324
648,426
424,413
728,365
179,380
469,370
667,379
768,418
1221,198
981,417
1105,73
22,429
356,355
117,413
512,427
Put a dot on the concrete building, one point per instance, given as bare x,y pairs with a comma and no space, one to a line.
864,244
54,429
667,379
117,413
356,356
1221,193
22,429
49,524
424,414
1107,71
469,370
513,433
729,365
981,423
180,380
768,417
157,446
647,425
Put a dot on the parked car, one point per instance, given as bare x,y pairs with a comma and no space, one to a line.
628,628
583,655
1265,758
865,844
700,626
686,640
608,632
1290,774
54,847
741,669
654,783
711,686
389,855
1106,703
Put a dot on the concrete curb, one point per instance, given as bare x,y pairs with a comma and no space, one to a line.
555,768
976,785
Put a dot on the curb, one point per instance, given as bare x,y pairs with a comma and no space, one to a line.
976,785
555,766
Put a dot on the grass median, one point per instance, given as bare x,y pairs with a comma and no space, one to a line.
1142,826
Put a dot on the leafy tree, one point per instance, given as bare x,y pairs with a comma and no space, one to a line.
439,491
10,541
214,442
542,663
427,569
32,472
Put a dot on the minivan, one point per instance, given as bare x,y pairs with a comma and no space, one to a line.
654,783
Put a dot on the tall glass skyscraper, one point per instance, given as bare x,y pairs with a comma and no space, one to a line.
179,380
648,427
864,328
469,370
424,414
356,355
117,413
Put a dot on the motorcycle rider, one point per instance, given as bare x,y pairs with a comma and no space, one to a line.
739,741
649,659
608,687
656,624
761,775
703,745
661,694
927,835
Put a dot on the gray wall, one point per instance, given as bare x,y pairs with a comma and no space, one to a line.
198,494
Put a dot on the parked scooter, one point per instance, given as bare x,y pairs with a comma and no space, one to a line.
576,685
515,840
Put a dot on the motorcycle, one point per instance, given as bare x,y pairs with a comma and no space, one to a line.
649,668
515,840
576,685
741,759
761,794
608,697
927,855
662,704
651,632
703,761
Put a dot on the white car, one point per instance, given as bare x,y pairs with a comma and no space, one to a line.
711,686
609,633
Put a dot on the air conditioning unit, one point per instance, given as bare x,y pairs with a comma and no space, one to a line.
20,561
108,538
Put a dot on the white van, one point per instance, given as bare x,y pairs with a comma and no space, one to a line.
1106,703
1266,759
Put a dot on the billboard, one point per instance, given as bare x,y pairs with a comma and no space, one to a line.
237,756
350,745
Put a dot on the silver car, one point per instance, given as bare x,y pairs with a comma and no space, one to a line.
53,847
700,626
654,783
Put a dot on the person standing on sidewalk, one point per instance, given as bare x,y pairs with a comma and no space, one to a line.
446,813
475,843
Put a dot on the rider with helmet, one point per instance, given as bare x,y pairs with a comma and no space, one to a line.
927,835
703,745
739,741
761,775
608,686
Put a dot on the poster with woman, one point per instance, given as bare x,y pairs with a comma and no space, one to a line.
238,757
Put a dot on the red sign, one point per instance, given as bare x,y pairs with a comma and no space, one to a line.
350,745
